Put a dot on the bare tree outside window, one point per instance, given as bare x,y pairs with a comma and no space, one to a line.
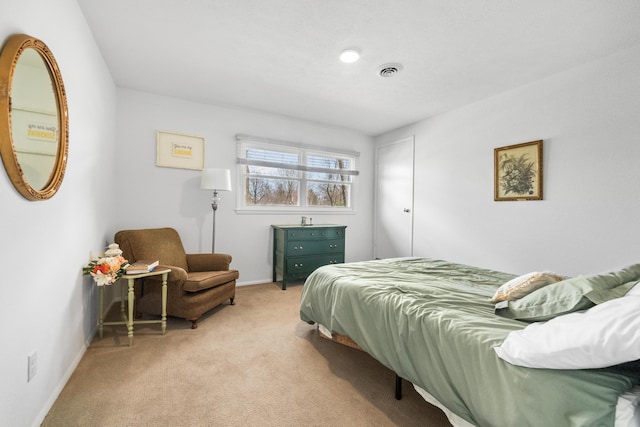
276,177
329,189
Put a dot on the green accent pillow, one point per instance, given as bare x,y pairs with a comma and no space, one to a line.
566,296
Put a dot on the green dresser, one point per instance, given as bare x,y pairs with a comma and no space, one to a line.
298,250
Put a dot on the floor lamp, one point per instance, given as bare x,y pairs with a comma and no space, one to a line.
216,180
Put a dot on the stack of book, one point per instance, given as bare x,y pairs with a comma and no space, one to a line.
142,266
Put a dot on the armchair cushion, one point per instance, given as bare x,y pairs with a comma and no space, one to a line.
199,280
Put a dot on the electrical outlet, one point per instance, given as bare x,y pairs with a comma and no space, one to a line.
32,365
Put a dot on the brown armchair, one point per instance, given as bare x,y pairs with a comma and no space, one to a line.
197,282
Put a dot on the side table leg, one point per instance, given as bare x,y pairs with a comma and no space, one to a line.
131,301
122,293
100,310
163,322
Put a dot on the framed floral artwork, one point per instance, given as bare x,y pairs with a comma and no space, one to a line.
175,150
518,172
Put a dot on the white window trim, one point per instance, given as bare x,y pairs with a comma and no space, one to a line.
241,208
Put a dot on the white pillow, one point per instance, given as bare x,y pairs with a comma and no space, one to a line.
523,285
605,335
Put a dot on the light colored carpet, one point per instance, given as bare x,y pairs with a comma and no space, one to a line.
251,364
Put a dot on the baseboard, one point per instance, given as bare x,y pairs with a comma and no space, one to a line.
70,370
63,381
254,282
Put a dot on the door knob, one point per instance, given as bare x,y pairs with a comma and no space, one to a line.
407,210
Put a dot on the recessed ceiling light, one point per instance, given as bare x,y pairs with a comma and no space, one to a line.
349,56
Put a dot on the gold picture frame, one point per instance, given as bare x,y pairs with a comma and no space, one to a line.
176,150
518,172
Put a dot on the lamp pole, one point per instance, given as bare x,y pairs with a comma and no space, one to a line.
216,180
214,206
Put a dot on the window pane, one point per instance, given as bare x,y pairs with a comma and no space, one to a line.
272,192
328,162
321,161
328,194
272,156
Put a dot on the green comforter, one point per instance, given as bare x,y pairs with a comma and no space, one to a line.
432,323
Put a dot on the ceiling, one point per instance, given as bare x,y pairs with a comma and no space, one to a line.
281,56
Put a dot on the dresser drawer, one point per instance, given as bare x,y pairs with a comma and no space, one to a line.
304,266
314,233
306,247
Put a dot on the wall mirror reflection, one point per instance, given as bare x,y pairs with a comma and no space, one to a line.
34,121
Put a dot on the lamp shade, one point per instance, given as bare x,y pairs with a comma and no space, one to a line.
216,179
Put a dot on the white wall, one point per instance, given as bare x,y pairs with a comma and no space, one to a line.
49,307
588,221
172,197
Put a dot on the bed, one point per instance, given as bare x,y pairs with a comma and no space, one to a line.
434,324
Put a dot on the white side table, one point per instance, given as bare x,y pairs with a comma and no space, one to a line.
128,319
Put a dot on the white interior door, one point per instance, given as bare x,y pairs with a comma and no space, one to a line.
394,200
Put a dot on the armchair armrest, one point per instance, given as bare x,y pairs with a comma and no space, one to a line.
177,274
208,262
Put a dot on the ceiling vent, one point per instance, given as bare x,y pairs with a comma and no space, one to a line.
389,70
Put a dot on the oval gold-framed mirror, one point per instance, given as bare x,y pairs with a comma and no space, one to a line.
34,123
